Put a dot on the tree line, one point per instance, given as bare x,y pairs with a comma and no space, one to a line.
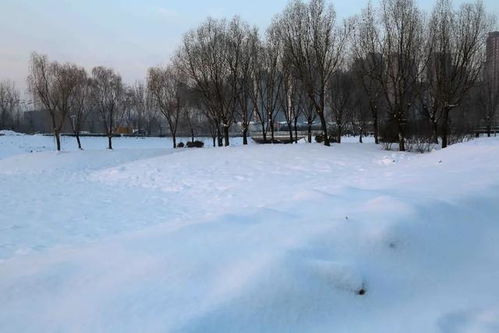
404,76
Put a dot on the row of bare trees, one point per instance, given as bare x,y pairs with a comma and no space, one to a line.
69,94
391,71
9,105
67,91
415,67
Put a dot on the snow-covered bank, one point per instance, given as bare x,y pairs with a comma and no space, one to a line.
251,239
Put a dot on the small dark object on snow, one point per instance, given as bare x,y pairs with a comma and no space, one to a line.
195,144
346,218
392,245
361,292
180,145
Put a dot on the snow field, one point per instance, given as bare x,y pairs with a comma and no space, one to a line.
251,239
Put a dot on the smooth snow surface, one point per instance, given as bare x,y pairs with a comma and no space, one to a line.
248,239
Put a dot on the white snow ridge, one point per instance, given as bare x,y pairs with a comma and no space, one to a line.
274,238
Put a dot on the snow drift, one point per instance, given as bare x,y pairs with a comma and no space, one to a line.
298,238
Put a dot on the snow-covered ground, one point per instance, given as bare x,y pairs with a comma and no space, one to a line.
248,239
15,143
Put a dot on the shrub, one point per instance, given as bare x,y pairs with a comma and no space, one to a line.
386,145
320,138
388,135
459,138
419,144
195,144
180,145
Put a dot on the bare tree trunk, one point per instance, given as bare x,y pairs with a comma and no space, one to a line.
272,131
435,131
77,134
174,138
290,129
219,136
309,123
264,132
245,135
296,129
445,128
401,138
324,129
340,133
57,135
226,136
110,142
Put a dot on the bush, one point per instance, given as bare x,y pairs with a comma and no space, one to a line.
388,135
459,138
320,138
386,145
419,144
180,145
195,144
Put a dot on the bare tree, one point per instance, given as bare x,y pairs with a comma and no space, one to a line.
209,66
168,90
455,61
289,98
360,114
189,119
256,86
79,104
271,79
316,46
9,104
53,86
341,88
107,94
401,40
249,41
309,112
368,63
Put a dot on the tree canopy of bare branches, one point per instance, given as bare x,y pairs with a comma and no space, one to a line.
207,61
456,44
315,45
54,87
107,93
168,91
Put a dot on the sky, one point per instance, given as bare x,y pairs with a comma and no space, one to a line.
127,35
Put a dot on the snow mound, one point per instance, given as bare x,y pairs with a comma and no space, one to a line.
10,133
297,238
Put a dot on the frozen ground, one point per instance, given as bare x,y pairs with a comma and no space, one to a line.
248,239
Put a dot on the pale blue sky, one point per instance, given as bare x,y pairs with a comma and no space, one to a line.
128,35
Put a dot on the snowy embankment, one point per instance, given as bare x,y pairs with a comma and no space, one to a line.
297,238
